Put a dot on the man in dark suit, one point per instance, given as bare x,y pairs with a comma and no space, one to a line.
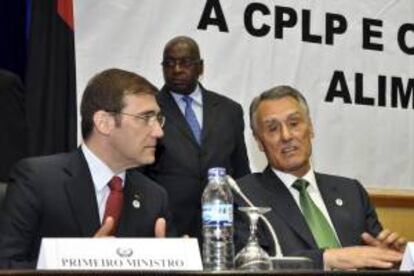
203,130
91,191
324,217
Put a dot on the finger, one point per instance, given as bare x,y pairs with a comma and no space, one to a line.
160,228
379,264
383,259
388,255
370,240
400,244
391,239
106,228
384,234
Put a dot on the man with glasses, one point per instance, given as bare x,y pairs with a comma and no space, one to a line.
91,191
203,130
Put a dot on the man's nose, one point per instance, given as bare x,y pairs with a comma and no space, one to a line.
286,133
178,66
157,131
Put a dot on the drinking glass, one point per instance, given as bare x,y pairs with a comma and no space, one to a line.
252,257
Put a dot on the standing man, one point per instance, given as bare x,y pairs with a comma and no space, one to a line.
91,191
203,130
324,217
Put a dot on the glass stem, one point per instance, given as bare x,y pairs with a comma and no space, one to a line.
253,227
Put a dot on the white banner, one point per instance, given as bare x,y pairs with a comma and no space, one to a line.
353,61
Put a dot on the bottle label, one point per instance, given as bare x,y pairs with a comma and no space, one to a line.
216,173
218,214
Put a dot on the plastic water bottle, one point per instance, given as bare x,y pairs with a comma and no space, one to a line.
217,203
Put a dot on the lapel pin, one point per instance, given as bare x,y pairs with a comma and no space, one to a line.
339,202
135,203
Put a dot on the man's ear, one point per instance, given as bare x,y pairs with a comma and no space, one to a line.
103,122
201,68
259,142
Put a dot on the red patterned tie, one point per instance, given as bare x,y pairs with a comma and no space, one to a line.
115,201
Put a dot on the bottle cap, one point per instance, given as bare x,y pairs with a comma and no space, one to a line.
216,172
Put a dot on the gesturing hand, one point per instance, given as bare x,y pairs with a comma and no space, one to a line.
361,257
160,228
106,229
385,239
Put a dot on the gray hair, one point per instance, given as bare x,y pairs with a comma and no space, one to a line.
276,93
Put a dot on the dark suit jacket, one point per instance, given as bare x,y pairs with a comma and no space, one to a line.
13,126
355,216
181,164
54,196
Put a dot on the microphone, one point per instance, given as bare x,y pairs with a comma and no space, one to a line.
233,185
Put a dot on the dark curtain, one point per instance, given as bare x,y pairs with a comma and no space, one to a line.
13,36
13,128
50,78
13,138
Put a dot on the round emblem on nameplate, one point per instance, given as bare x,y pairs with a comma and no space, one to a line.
136,204
339,202
124,252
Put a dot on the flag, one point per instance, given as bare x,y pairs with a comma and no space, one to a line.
50,78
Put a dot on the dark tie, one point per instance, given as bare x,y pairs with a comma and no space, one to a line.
191,118
115,201
318,224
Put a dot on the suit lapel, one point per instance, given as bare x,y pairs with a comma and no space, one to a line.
210,115
173,114
338,213
81,193
129,216
283,204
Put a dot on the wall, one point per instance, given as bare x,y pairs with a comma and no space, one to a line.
395,209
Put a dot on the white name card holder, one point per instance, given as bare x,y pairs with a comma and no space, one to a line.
169,254
407,263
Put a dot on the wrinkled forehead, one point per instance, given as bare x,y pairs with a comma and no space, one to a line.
279,108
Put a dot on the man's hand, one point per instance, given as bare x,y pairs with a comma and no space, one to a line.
106,228
385,239
361,257
160,228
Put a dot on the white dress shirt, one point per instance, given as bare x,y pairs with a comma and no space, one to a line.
101,175
197,103
313,190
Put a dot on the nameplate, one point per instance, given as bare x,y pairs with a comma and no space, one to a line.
169,254
407,263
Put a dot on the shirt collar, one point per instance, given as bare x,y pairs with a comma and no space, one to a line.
101,173
288,179
196,96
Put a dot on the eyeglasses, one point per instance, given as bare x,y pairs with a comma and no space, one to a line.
185,62
149,118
